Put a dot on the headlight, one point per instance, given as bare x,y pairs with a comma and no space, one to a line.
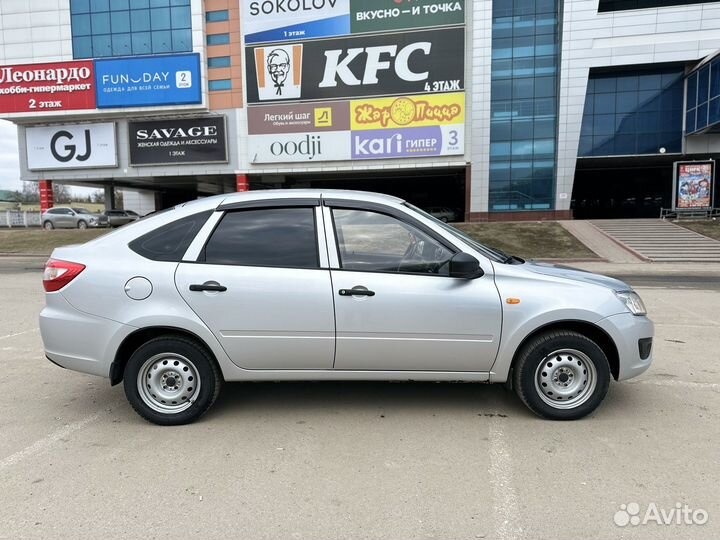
93,220
632,302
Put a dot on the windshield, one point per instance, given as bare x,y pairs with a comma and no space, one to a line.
81,211
491,253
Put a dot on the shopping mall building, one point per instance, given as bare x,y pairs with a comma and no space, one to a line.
512,109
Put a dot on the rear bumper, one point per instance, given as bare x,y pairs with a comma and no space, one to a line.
630,334
77,340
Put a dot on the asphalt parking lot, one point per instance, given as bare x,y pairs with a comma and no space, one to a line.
363,460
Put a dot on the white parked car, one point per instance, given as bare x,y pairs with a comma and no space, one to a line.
442,213
330,285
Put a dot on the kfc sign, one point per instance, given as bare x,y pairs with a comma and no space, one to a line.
428,61
39,88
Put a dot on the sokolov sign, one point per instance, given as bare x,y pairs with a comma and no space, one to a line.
71,146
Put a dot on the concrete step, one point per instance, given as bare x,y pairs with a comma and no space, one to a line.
659,240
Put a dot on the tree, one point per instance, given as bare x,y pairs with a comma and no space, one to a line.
62,193
30,192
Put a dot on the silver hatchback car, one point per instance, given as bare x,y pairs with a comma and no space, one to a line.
330,285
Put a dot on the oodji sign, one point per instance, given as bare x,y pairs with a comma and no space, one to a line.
376,65
193,140
36,88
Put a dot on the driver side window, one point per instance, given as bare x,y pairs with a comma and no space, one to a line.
374,242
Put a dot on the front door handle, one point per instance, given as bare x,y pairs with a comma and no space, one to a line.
208,286
356,291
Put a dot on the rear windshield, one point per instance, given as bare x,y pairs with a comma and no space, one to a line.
171,241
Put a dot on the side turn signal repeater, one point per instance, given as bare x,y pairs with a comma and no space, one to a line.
513,300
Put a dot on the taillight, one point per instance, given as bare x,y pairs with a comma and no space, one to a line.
57,274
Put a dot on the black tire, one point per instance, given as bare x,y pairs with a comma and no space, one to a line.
82,224
444,219
48,226
527,377
207,373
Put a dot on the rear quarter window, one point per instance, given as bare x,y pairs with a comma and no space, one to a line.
170,242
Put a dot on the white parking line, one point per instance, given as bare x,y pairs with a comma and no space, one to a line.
685,384
505,501
45,443
19,333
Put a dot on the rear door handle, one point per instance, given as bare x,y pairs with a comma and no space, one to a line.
208,286
356,292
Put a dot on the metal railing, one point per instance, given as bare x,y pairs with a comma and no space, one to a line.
17,219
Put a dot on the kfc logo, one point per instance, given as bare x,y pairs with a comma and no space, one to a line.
279,72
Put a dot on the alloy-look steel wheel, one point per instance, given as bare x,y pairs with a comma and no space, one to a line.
561,375
171,380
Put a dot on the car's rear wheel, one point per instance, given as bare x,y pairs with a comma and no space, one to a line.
48,226
562,375
171,380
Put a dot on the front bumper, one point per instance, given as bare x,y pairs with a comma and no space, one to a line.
630,334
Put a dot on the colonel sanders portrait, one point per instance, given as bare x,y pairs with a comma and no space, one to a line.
278,66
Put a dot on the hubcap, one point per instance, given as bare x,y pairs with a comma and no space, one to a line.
168,383
565,379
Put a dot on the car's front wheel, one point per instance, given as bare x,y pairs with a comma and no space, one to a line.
562,375
82,224
171,380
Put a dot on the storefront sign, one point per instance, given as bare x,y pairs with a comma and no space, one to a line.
299,118
427,61
37,88
408,111
287,20
408,142
300,147
144,81
388,15
192,140
71,146
694,185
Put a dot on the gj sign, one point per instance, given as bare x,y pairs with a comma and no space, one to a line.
374,65
146,81
192,140
71,146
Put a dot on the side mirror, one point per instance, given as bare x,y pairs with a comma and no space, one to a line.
465,266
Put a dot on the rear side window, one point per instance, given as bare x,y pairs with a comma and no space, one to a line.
171,241
281,237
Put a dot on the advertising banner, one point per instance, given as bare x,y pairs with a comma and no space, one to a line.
286,20
299,118
300,147
408,111
71,146
388,15
169,142
144,81
694,185
36,88
408,142
426,61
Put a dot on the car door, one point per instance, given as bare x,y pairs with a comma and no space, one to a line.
396,308
262,285
66,218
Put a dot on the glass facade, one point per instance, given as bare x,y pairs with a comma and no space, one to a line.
102,28
620,5
220,85
218,39
219,62
524,96
217,16
633,112
703,99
